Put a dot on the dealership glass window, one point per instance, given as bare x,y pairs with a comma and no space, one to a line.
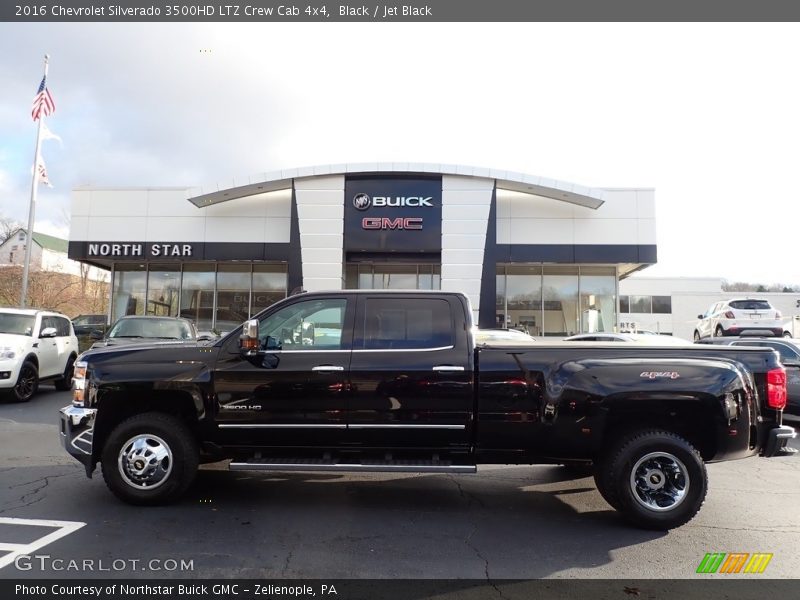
624,305
523,289
233,295
598,287
662,305
640,304
130,284
367,276
163,289
269,286
560,301
197,294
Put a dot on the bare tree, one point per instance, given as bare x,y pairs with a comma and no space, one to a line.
8,227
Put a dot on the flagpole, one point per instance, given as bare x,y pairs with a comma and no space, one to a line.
32,208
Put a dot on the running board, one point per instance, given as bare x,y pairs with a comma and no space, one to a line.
372,467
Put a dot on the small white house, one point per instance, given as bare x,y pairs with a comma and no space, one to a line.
48,253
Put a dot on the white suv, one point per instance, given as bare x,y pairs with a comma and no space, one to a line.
732,317
35,345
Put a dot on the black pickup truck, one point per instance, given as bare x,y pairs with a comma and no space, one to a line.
392,381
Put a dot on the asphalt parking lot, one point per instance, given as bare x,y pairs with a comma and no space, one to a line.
503,523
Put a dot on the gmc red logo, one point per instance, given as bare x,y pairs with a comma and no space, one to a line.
389,223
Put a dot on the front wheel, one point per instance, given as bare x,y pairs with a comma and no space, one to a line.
656,479
150,458
27,382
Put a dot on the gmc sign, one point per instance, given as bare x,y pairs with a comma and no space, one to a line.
389,223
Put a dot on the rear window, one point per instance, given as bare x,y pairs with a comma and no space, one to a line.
394,323
750,305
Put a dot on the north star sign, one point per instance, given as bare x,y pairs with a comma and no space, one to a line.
138,249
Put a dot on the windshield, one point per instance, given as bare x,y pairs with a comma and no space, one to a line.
167,329
17,324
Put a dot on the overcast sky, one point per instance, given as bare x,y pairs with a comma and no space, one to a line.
707,114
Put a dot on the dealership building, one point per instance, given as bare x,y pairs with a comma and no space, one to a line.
529,252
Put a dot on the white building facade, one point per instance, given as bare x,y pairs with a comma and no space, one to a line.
671,305
529,252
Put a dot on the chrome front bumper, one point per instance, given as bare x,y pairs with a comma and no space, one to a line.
77,430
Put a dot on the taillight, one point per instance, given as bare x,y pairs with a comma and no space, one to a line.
729,314
776,388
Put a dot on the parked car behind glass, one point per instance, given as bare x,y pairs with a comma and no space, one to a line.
733,317
138,329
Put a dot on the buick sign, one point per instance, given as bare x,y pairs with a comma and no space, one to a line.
362,201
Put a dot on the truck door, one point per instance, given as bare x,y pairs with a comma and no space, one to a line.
293,390
411,373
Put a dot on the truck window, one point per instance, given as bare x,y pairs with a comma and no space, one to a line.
308,325
397,324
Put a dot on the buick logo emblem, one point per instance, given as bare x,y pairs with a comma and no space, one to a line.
362,201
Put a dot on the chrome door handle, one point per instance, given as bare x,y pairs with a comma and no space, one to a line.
327,368
448,368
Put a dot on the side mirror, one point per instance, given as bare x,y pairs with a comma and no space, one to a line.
48,332
96,334
248,341
701,317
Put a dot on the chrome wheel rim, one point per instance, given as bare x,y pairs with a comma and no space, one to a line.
145,461
26,382
659,481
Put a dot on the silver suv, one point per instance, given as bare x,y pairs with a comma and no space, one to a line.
732,317
35,345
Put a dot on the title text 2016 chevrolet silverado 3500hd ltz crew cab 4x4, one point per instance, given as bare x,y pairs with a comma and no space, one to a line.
392,381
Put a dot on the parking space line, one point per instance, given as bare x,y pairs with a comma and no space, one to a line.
63,528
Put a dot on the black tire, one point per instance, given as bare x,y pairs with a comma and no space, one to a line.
719,331
696,336
160,436
601,475
787,334
65,383
27,382
656,479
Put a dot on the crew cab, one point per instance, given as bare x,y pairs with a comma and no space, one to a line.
393,381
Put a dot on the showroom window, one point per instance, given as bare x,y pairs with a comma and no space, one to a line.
163,290
646,304
128,292
233,296
554,300
197,294
369,276
269,286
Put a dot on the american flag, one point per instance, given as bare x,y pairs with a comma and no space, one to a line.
43,103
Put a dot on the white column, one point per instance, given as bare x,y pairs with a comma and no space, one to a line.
320,211
465,217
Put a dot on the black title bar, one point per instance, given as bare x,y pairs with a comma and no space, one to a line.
401,11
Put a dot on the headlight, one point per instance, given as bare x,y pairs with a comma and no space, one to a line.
8,352
79,383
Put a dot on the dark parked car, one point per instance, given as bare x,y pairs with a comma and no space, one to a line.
789,351
137,329
86,324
